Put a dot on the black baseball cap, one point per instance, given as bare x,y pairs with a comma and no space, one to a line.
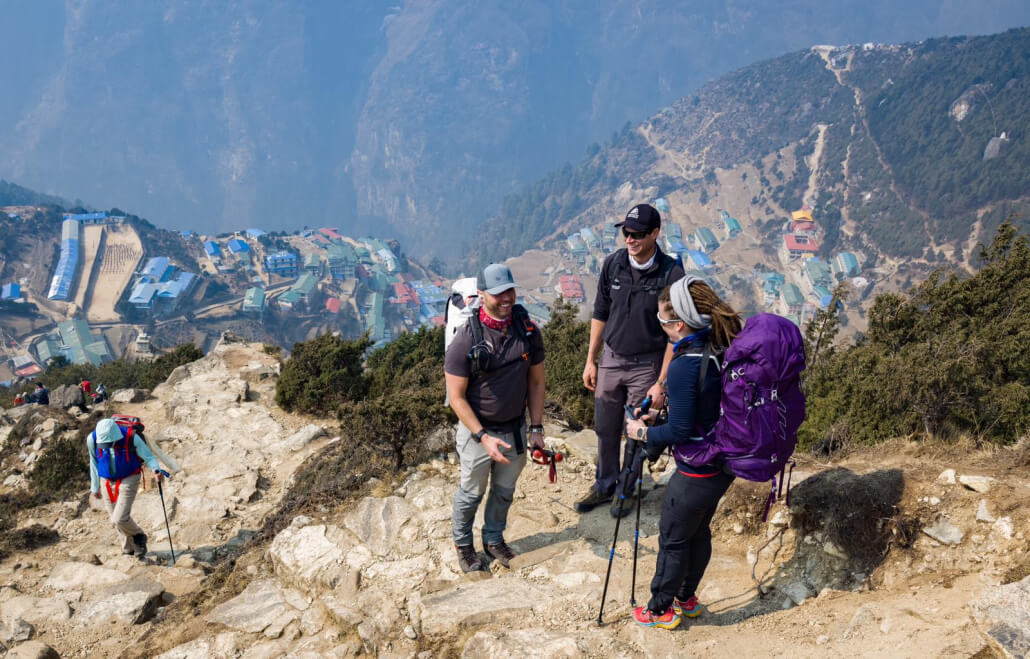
642,217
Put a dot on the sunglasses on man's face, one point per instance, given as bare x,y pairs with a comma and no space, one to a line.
635,235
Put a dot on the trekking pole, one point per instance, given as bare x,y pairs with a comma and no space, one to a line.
638,464
618,519
168,528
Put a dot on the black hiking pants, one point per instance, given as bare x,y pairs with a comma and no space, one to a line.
685,537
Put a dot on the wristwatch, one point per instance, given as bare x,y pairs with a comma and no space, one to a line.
478,436
537,428
641,432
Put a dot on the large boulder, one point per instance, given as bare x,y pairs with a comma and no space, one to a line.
304,436
312,556
65,396
1003,617
129,396
33,650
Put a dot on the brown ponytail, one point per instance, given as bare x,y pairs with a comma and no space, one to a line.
726,323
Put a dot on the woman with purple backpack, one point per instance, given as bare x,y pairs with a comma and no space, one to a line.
701,326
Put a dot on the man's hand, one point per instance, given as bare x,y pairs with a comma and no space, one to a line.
536,440
590,375
159,475
657,395
636,430
492,446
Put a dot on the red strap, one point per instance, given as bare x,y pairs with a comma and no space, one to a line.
698,475
113,495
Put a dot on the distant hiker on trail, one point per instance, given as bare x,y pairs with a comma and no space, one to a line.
634,352
41,396
117,456
702,327
19,399
85,387
494,369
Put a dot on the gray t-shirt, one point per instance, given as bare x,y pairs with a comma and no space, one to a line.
500,394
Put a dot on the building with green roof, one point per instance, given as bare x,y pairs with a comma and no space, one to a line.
343,261
75,341
792,298
706,239
254,300
817,272
303,293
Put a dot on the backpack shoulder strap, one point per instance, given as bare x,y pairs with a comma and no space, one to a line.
476,325
523,324
614,265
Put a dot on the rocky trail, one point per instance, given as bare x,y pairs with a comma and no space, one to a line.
906,550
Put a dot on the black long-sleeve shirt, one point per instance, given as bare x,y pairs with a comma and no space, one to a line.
627,301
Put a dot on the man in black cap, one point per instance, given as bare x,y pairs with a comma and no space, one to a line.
634,352
494,369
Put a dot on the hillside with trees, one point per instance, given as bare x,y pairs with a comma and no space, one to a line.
923,149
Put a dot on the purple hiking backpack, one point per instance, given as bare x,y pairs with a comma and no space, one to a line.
762,404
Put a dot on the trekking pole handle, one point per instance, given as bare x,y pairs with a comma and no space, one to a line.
644,406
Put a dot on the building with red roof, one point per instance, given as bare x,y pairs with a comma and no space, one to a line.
332,305
331,234
798,246
571,288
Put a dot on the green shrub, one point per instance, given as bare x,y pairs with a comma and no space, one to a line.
566,340
323,373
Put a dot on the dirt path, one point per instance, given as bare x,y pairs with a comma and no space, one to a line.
814,163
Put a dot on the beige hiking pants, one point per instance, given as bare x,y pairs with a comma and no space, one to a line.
121,509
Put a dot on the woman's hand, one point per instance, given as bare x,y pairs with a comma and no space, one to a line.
636,430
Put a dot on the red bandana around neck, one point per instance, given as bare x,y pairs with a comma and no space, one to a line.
493,323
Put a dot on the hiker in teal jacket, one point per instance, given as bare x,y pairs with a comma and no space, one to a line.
116,459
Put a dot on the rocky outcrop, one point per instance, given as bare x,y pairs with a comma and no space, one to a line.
129,396
1003,617
66,396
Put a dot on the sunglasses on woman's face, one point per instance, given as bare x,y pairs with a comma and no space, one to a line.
635,235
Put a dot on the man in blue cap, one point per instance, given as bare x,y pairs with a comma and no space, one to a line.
494,369
116,459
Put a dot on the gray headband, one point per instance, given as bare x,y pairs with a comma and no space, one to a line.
684,304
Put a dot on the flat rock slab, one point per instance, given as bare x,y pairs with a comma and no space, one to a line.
33,650
133,601
305,436
583,445
944,532
35,610
377,522
478,603
521,644
981,484
82,576
1003,617
260,608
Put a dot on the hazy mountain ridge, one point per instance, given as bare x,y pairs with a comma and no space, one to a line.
416,118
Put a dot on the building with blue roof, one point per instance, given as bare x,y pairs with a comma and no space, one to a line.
212,248
143,294
87,218
589,237
698,259
282,263
255,233
67,262
661,205
157,269
236,246
10,291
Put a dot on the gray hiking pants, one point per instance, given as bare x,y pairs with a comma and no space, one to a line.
120,510
477,467
621,379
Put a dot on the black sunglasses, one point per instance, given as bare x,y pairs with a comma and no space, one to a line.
635,235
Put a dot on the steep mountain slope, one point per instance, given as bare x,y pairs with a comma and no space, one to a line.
420,116
910,152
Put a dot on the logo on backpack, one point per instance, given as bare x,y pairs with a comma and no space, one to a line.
762,404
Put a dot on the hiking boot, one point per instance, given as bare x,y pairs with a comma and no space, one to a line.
690,608
500,552
591,501
468,559
140,540
668,620
627,505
